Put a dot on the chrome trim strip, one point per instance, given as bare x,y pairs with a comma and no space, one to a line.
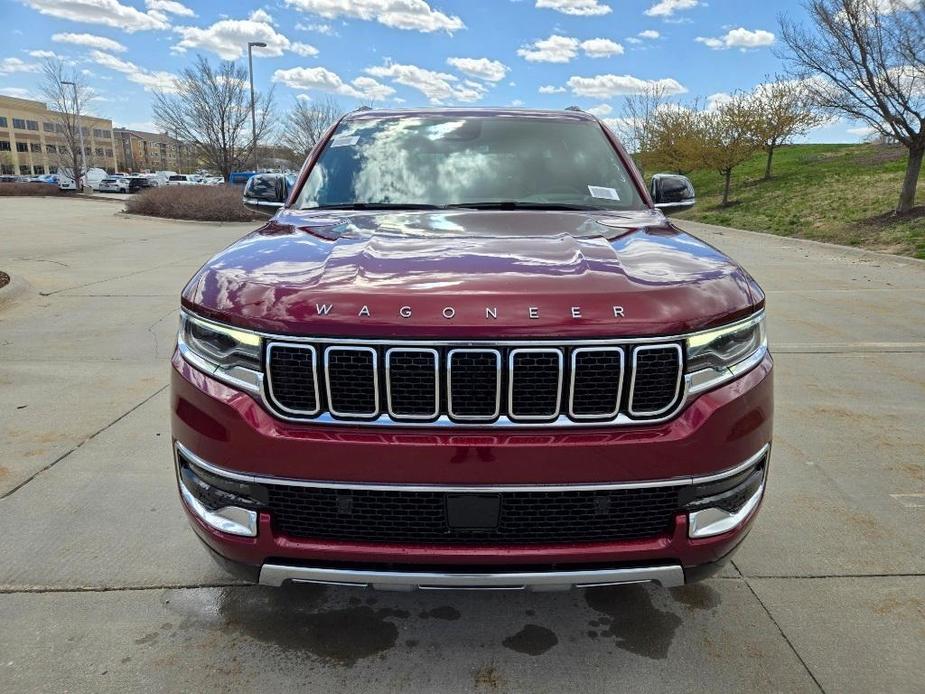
525,342
667,576
674,400
269,377
382,486
510,386
388,384
327,380
715,521
229,519
571,391
449,388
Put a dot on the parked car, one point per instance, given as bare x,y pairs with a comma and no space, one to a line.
182,180
45,178
162,176
138,183
215,180
10,178
93,177
519,375
114,184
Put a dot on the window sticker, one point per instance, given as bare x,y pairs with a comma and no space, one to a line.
345,140
603,192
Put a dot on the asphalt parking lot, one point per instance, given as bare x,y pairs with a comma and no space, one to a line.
104,588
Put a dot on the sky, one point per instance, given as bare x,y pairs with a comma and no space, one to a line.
404,53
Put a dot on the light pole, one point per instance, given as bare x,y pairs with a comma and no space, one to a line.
250,72
78,179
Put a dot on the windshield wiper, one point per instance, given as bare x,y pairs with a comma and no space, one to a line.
517,205
376,206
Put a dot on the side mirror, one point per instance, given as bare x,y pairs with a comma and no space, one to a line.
672,193
265,193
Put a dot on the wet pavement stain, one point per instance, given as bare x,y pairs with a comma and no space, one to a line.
532,639
293,620
636,625
451,614
697,596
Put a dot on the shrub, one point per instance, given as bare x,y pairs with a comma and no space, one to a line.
29,189
202,203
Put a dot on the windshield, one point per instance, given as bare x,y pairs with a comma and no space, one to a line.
488,161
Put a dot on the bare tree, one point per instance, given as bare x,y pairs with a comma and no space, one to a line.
731,135
66,91
210,109
865,59
635,125
307,122
786,110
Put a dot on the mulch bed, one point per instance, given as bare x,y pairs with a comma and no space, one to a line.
889,218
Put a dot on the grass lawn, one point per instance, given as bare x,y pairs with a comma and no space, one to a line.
837,193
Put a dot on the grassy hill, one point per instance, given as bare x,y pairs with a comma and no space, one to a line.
837,193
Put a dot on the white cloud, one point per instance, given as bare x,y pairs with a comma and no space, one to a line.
648,34
17,92
43,54
551,89
170,6
416,15
600,110
666,8
11,65
738,38
91,40
555,49
580,8
323,80
109,13
716,100
862,131
303,49
228,38
483,68
325,29
150,80
439,87
517,102
601,48
608,86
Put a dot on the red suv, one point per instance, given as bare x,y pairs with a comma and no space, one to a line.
469,351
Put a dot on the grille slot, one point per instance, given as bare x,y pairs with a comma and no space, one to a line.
352,381
656,379
413,383
535,388
293,378
597,382
474,384
420,516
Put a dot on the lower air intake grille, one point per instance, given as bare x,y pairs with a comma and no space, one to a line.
522,517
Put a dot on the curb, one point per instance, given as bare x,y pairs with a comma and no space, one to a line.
847,250
129,215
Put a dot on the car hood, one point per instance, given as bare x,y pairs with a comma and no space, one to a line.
464,273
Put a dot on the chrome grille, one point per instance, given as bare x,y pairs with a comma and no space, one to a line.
413,382
535,387
505,384
597,382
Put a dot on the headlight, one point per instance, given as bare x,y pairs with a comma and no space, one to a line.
717,356
228,354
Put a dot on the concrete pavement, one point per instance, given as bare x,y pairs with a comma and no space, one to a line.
103,587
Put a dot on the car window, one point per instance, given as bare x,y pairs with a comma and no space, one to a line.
447,160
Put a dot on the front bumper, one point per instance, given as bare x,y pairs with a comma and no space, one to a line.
230,433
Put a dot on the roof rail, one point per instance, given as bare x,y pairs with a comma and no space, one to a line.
364,107
574,108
